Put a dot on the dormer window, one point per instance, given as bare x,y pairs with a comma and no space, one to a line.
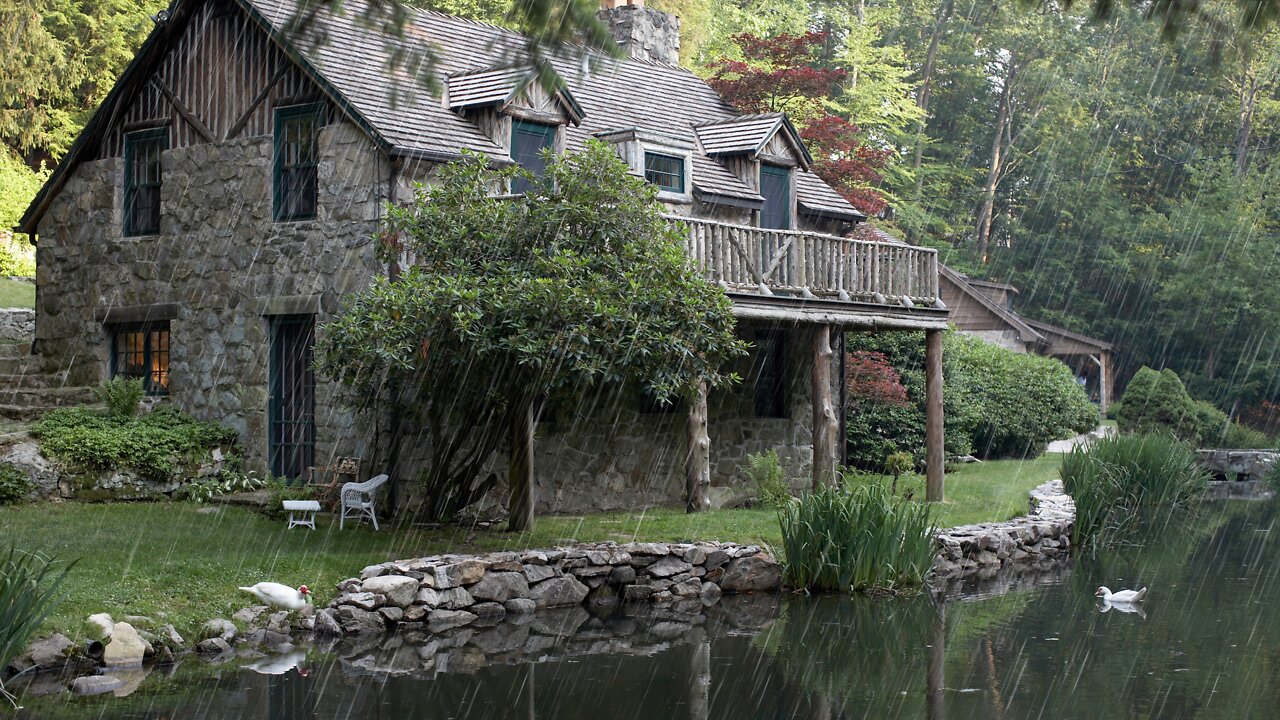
665,171
775,186
528,140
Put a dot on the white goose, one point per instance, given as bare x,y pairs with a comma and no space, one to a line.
281,596
1123,596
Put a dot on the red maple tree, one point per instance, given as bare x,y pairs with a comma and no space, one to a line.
783,75
871,378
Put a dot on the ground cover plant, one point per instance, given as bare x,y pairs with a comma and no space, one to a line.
152,444
1116,480
839,539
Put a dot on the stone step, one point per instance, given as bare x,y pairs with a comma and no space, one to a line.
30,379
47,397
22,413
14,349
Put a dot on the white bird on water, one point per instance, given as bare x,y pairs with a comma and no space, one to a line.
281,596
1122,596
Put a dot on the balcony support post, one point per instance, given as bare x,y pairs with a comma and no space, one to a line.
934,445
697,463
825,421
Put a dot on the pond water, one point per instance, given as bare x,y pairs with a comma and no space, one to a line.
1206,646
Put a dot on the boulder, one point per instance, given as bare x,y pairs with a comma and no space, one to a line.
622,575
326,623
95,684
710,594
355,621
752,573
362,600
500,587
688,588
441,620
392,614
219,628
213,646
538,573
51,652
170,637
520,606
126,649
558,592
249,615
398,589
26,457
98,627
452,599
715,559
372,571
636,593
488,610
668,566
458,574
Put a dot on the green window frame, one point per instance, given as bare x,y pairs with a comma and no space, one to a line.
142,180
141,350
528,140
665,171
295,176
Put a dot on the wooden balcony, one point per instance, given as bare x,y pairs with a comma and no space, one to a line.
831,277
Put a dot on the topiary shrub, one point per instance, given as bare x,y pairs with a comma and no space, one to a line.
1158,401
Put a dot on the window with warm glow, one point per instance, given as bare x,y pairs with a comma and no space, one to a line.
142,351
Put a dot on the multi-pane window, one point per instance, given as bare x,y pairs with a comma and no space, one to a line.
665,171
775,186
142,351
296,160
767,377
528,140
142,180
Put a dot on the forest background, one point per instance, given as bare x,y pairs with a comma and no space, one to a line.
1117,176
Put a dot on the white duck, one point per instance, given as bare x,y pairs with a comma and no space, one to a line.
278,664
1123,596
281,596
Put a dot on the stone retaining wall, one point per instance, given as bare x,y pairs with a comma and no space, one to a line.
1036,538
17,324
1238,465
448,591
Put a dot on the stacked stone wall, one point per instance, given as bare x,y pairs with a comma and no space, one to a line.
1038,538
17,325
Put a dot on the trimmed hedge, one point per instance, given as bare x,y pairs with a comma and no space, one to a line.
1158,401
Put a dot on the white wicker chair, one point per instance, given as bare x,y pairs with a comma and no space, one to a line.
358,499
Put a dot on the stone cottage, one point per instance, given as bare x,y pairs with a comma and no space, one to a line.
223,199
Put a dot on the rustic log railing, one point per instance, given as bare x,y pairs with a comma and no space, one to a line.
788,261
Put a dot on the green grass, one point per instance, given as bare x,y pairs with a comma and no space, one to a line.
147,559
17,294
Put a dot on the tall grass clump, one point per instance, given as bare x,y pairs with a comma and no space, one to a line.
1116,478
29,591
838,540
765,472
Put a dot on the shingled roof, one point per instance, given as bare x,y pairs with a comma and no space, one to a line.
355,62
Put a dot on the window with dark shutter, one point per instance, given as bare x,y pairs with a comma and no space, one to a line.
142,351
775,186
768,375
527,143
142,180
296,160
665,171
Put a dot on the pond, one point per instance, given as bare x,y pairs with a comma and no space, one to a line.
1207,645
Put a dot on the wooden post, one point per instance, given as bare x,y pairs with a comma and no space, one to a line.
699,675
824,412
697,463
523,493
934,445
1104,392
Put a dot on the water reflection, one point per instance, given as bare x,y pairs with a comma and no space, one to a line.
1208,647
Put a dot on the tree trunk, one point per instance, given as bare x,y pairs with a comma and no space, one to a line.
982,229
824,412
935,455
520,469
697,463
1244,122
926,89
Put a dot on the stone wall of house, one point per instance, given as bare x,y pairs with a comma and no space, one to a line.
644,33
220,266
605,452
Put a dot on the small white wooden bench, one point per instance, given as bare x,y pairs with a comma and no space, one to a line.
306,512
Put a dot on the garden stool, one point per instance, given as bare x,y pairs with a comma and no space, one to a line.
306,510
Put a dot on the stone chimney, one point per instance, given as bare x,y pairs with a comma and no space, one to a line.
642,32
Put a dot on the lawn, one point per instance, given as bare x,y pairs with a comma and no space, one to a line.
184,561
17,294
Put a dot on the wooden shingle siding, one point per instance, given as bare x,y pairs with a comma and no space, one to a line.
220,81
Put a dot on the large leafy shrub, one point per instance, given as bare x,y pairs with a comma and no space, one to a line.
1115,478
996,402
838,540
121,395
151,444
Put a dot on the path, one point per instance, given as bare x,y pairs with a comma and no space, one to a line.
1066,446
